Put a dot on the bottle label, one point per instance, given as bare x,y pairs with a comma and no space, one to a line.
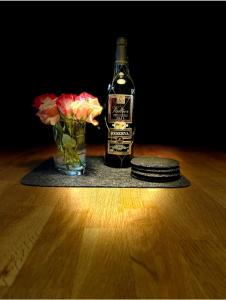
120,108
118,134
120,138
119,147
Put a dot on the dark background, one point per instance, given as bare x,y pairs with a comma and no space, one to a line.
177,60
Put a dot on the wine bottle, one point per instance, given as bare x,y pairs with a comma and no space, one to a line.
119,112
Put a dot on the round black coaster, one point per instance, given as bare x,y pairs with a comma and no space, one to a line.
157,171
157,163
154,177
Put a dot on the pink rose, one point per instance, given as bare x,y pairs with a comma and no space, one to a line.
48,112
95,110
84,96
42,98
64,104
80,110
87,107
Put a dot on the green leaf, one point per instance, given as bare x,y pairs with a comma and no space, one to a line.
68,142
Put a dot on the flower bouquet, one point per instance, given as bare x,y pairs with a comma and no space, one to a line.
68,114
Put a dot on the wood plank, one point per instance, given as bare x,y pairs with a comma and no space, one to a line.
207,261
56,252
108,273
155,252
3,291
159,266
23,216
191,217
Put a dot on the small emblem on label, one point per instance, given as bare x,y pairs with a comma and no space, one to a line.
120,125
120,99
119,148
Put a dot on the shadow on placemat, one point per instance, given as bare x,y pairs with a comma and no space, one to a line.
97,175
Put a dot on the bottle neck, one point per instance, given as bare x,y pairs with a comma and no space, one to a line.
121,54
119,67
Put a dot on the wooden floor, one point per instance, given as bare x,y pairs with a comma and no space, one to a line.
114,242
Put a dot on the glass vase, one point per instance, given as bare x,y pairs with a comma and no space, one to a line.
69,136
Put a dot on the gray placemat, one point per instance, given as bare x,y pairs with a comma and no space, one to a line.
97,175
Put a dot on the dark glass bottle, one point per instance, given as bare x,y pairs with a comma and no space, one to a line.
119,112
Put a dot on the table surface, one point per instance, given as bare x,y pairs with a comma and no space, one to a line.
114,242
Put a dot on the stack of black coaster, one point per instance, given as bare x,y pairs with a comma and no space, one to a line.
155,169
